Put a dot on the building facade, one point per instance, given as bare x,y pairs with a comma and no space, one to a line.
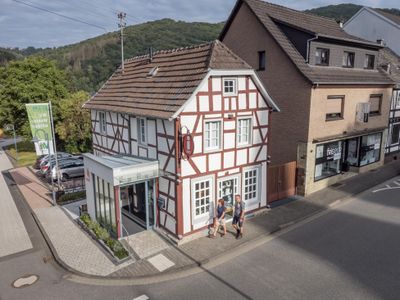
202,116
375,24
334,98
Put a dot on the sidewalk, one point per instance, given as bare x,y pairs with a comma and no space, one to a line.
13,235
79,252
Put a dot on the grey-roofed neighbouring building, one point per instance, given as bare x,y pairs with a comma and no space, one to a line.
323,79
375,24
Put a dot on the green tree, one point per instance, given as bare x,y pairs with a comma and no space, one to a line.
74,126
32,80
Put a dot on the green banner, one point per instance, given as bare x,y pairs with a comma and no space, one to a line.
39,119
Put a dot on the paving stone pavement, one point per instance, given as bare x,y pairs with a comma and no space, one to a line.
13,235
74,247
146,243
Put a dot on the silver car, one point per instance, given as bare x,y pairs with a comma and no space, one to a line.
69,168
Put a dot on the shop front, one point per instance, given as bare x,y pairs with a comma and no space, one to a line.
120,192
347,155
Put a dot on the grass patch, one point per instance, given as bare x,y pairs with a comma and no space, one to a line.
102,234
26,153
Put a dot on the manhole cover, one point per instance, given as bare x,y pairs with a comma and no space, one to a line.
25,281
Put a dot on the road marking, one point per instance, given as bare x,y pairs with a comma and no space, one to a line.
143,297
396,182
335,203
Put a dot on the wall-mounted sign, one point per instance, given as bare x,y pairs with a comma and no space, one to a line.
188,144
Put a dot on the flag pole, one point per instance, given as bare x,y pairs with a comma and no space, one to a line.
55,151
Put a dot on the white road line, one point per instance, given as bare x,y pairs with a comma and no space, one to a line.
397,183
143,297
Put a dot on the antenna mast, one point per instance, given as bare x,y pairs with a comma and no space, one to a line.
121,25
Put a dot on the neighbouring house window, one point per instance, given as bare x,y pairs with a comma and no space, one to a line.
375,102
348,59
250,185
322,57
105,206
397,99
370,150
202,197
334,108
328,160
230,87
103,122
142,131
395,136
261,60
244,131
369,61
212,135
353,151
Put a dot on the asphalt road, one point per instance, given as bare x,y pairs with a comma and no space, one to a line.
350,252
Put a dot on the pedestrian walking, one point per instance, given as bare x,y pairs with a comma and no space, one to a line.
220,218
238,216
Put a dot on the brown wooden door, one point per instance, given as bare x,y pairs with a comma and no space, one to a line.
281,181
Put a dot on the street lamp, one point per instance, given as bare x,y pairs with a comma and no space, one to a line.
10,127
37,140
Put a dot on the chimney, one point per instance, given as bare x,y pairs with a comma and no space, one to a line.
340,22
381,42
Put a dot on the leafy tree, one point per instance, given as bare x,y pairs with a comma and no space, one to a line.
32,80
74,126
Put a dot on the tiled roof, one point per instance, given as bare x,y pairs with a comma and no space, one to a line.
269,14
179,72
391,17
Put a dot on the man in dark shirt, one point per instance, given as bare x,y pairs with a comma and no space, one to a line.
238,216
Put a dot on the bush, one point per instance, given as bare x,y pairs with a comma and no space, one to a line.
102,234
72,196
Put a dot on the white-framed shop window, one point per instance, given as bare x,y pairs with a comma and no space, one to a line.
202,196
244,130
230,86
251,185
142,131
395,134
212,135
102,122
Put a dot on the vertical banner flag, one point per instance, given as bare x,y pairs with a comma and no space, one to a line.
39,120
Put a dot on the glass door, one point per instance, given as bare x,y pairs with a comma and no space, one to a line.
227,189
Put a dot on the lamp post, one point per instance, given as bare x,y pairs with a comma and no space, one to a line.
36,140
10,127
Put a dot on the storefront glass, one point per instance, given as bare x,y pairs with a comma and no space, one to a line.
105,206
370,149
328,160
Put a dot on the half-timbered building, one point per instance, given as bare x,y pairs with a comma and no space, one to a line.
173,132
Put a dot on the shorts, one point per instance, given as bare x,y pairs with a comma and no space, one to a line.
220,222
236,220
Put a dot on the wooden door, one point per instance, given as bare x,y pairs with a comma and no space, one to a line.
281,181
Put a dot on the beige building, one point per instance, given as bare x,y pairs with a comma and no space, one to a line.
334,98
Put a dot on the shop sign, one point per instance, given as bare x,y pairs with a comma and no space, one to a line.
377,146
334,151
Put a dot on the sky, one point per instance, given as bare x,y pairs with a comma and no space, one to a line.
22,26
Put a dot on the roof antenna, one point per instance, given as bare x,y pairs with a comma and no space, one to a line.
150,54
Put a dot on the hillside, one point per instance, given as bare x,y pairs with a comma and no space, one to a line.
90,62
343,12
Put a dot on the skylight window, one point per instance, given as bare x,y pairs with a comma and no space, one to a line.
153,72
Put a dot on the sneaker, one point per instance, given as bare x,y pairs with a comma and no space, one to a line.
237,235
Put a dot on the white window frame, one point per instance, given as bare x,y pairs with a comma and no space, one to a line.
256,199
206,215
103,122
235,87
139,130
250,133
396,99
213,149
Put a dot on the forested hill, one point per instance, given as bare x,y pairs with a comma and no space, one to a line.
90,62
343,12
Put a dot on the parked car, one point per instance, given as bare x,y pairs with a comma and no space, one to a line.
68,169
39,160
60,155
47,166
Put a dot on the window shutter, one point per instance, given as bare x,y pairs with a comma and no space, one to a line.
334,105
375,104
